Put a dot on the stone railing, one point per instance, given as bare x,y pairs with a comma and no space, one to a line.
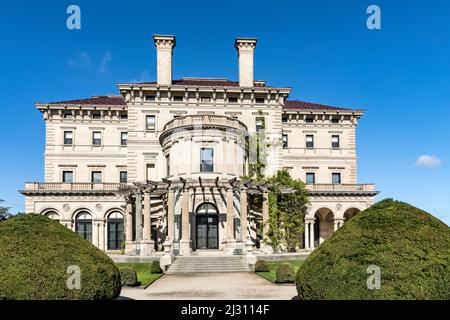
55,186
206,120
340,187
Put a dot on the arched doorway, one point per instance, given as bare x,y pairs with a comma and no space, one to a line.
350,213
207,226
83,225
115,230
323,225
52,215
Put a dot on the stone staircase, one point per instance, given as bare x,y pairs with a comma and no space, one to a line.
209,264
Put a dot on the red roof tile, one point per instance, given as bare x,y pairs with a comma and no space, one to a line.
97,100
302,105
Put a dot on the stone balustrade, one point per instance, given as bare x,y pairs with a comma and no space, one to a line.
81,186
340,187
207,120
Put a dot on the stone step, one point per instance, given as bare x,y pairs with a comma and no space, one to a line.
210,264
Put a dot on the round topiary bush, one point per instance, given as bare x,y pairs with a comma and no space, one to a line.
262,266
128,276
410,247
155,268
285,273
40,260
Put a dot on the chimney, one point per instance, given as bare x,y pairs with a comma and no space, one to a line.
164,48
245,48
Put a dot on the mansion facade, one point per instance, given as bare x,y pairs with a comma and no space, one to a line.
159,167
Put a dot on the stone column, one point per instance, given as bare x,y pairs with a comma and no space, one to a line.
265,214
170,215
244,214
230,216
311,234
185,242
129,221
335,225
138,225
147,217
306,234
148,244
101,241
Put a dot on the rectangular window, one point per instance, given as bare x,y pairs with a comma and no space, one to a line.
178,98
285,140
284,118
205,99
335,142
336,178
67,176
96,177
68,137
96,115
124,138
206,160
259,123
335,120
309,141
232,100
309,120
310,178
168,165
151,171
151,123
123,116
123,177
67,115
259,100
150,98
96,138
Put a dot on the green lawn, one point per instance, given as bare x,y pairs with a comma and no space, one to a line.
143,272
271,275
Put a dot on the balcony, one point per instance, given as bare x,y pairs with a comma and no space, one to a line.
367,188
61,187
206,121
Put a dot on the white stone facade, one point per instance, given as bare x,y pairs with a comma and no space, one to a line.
181,148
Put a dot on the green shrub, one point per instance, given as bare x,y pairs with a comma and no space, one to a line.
410,246
35,254
262,266
128,276
285,273
155,268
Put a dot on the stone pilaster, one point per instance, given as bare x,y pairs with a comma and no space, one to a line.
101,240
147,244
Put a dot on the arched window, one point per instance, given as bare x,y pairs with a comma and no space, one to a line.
206,208
83,225
52,215
115,231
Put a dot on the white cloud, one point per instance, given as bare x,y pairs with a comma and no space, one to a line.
104,63
427,161
80,60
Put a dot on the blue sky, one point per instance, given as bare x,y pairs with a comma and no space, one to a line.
400,74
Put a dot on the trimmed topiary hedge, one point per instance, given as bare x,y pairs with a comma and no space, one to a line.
155,268
128,276
37,256
262,266
285,273
410,247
